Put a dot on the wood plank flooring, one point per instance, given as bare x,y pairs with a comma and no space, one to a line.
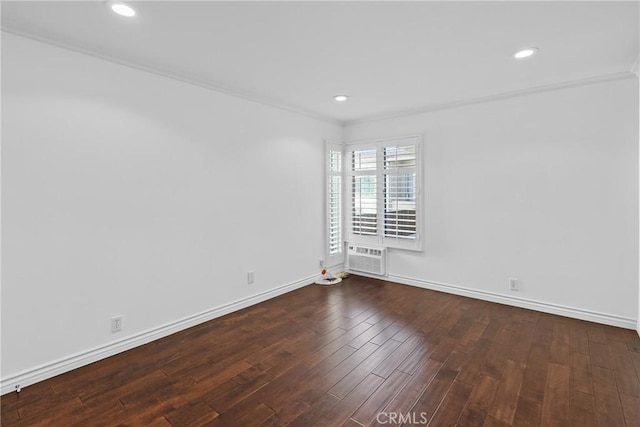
363,353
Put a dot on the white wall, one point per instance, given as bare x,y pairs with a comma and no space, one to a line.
127,193
543,188
634,69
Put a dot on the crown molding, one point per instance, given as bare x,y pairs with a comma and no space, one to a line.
247,96
496,97
252,97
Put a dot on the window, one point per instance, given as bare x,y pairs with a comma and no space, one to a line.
400,191
364,205
383,178
334,201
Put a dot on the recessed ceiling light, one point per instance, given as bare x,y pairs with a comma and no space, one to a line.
121,8
341,98
525,53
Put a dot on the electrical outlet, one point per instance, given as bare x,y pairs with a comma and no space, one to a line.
116,324
513,284
251,277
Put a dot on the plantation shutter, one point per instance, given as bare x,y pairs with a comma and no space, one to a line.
400,191
383,180
335,202
364,192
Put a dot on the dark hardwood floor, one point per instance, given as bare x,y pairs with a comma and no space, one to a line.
365,352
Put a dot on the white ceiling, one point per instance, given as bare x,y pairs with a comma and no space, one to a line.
390,57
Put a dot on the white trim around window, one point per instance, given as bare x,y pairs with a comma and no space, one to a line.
382,187
334,204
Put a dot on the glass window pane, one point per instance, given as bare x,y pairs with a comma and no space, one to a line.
362,160
400,206
364,205
335,214
335,161
400,157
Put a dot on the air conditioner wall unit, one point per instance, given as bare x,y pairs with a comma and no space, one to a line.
367,259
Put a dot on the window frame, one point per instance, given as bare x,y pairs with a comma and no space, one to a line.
335,259
380,239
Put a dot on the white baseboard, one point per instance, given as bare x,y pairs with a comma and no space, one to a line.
576,313
68,363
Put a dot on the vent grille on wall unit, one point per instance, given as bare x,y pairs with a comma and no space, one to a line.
367,259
